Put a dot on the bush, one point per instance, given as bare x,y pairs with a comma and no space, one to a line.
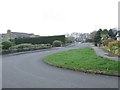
114,47
22,46
67,40
89,40
114,44
0,48
106,42
6,44
25,47
57,43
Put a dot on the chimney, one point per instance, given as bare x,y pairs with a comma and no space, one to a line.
8,31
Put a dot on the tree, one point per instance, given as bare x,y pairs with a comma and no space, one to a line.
104,35
97,38
105,31
92,35
111,34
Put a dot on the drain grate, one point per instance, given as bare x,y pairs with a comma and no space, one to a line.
109,55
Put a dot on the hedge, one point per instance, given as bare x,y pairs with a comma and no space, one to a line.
39,40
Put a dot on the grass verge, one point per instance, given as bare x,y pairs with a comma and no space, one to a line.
84,60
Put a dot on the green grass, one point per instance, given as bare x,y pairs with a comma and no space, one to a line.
84,60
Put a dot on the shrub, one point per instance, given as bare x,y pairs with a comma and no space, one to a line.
22,46
6,44
5,51
57,43
114,47
114,44
106,42
67,40
25,47
89,40
0,48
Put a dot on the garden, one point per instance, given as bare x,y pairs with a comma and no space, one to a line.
107,40
30,44
111,46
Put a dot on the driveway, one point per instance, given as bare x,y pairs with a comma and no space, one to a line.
29,71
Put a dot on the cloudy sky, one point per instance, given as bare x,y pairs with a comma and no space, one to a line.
55,17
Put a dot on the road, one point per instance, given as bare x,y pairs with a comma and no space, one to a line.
29,71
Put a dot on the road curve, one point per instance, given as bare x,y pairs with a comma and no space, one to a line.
29,71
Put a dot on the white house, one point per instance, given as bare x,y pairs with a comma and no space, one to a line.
118,35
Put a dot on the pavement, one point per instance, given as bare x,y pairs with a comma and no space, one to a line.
102,53
29,71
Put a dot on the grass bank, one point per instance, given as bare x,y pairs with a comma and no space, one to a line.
84,60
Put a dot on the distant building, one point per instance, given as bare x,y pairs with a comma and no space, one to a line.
118,35
114,30
13,35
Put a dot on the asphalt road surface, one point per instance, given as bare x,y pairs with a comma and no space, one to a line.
29,71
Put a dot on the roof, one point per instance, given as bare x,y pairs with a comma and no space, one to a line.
17,34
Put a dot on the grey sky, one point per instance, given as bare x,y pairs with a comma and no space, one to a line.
54,17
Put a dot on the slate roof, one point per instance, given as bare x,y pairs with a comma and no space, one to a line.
17,34
12,35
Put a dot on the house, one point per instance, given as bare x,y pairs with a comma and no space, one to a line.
13,35
118,35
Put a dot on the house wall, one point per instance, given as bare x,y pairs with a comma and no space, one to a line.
9,35
118,38
13,35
